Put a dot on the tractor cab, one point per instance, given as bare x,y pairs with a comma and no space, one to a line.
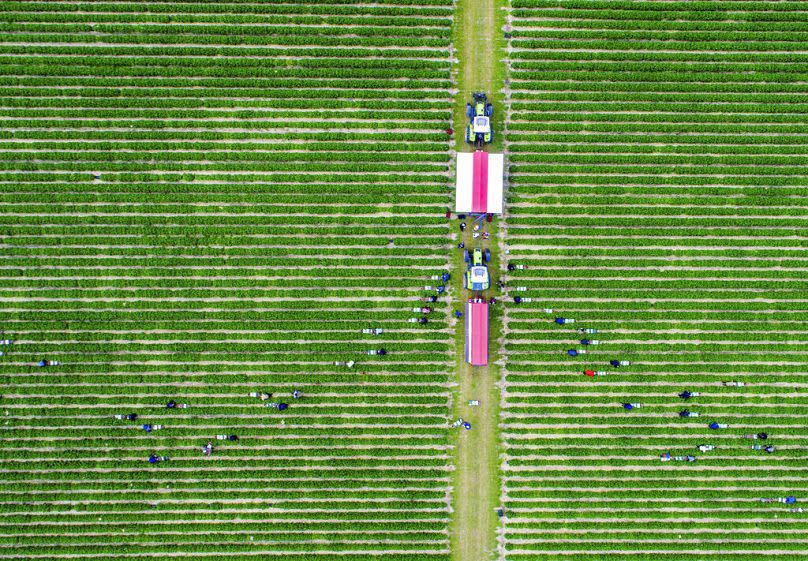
479,113
476,277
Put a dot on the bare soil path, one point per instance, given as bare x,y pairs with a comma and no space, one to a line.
479,49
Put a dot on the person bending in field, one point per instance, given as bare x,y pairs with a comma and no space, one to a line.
760,435
630,406
619,363
564,321
687,395
790,500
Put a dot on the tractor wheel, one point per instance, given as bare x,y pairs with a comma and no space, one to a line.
468,134
465,281
489,110
467,256
487,255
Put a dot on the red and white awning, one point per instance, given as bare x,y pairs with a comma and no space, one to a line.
477,333
479,182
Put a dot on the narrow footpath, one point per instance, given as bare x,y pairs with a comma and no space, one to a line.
480,48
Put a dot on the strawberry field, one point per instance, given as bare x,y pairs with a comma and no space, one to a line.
204,200
207,200
657,195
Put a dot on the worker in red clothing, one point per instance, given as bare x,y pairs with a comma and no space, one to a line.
450,131
590,373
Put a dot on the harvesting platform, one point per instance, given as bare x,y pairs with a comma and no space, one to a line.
477,332
479,182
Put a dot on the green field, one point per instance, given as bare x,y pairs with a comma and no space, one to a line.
658,195
255,161
207,199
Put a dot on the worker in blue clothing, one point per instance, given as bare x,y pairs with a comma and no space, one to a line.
564,321
458,314
630,406
716,426
789,500
517,300
574,352
687,395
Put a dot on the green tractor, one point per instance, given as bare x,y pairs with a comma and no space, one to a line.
476,277
478,131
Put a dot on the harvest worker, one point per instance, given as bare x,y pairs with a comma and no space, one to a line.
716,426
462,226
174,405
230,437
760,435
297,394
517,299
619,363
263,396
687,395
461,245
790,500
153,459
630,406
588,331
769,448
278,406
734,384
44,363
575,352
688,413
590,342
705,447
208,448
127,417
458,314
432,298
563,321
593,373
